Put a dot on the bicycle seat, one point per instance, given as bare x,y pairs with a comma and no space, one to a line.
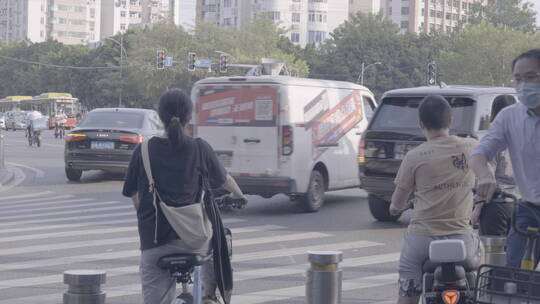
180,261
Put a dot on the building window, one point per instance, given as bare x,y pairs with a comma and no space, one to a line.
405,11
122,13
439,14
390,11
432,13
122,26
80,9
311,17
92,13
295,37
316,36
295,17
405,24
227,3
274,15
464,5
449,16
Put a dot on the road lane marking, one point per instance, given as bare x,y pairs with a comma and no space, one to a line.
64,213
284,294
131,213
104,231
268,254
239,276
5,198
53,246
68,226
38,172
66,204
33,201
248,298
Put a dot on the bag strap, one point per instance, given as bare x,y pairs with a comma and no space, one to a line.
151,182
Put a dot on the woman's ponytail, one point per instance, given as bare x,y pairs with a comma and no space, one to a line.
175,109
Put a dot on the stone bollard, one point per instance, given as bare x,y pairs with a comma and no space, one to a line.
84,287
324,277
495,252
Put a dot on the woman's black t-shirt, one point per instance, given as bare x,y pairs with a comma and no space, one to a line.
176,174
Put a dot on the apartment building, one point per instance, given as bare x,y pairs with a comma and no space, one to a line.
428,15
119,15
364,6
68,21
306,21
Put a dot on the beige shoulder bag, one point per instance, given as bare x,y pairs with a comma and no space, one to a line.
190,222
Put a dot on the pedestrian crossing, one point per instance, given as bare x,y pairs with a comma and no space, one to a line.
43,234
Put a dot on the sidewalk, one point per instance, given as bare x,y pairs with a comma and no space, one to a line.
6,175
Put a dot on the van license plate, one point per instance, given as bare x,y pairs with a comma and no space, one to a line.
225,158
400,150
103,145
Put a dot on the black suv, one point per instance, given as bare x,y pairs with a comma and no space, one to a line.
394,130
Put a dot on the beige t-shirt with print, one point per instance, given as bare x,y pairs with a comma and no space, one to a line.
439,175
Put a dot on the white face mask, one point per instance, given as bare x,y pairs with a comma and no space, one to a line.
529,94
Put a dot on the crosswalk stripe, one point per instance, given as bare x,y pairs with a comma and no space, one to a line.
33,201
248,298
284,294
60,234
238,276
126,240
280,238
25,209
67,226
65,212
5,198
244,257
79,218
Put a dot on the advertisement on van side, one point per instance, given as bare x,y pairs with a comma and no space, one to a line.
238,106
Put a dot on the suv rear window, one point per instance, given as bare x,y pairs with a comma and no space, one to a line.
113,120
401,113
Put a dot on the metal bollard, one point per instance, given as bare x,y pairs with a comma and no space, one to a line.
84,287
2,163
324,277
495,250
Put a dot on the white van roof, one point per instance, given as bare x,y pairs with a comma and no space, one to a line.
456,90
283,80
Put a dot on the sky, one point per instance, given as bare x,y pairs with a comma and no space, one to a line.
537,8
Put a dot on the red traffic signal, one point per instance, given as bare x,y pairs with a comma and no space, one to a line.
192,58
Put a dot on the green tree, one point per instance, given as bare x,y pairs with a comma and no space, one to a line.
482,54
512,14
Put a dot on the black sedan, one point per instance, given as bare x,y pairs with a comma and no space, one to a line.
105,139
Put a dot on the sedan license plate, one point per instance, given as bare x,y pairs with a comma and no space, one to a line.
102,145
225,158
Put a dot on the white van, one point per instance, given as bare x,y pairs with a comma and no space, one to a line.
279,134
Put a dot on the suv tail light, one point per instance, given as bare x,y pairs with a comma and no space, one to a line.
132,138
286,140
75,137
362,152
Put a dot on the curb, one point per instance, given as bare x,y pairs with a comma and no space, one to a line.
6,176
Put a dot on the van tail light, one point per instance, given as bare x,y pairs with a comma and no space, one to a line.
132,138
70,137
286,140
362,152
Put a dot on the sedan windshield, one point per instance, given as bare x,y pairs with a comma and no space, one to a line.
113,120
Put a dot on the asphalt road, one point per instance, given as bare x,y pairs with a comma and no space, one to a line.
49,225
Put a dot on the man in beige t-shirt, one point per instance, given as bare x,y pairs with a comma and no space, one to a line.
438,174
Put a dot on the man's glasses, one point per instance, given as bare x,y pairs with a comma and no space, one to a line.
528,77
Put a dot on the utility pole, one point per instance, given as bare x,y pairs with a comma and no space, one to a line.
363,69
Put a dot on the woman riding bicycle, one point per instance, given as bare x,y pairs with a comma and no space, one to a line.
175,168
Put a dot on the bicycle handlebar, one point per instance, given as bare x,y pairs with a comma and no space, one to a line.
229,201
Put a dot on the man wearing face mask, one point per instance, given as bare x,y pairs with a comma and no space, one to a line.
516,128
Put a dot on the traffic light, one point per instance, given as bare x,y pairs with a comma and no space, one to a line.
160,60
223,60
432,74
192,57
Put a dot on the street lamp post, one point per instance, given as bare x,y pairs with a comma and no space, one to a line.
365,67
122,52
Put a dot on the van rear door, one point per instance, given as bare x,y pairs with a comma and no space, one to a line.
241,124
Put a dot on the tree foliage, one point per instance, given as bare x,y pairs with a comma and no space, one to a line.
510,14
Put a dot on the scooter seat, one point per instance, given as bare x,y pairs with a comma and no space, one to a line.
468,265
180,261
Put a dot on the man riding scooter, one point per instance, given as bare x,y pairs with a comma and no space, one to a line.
438,174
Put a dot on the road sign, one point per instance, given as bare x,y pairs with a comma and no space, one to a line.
203,63
168,61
